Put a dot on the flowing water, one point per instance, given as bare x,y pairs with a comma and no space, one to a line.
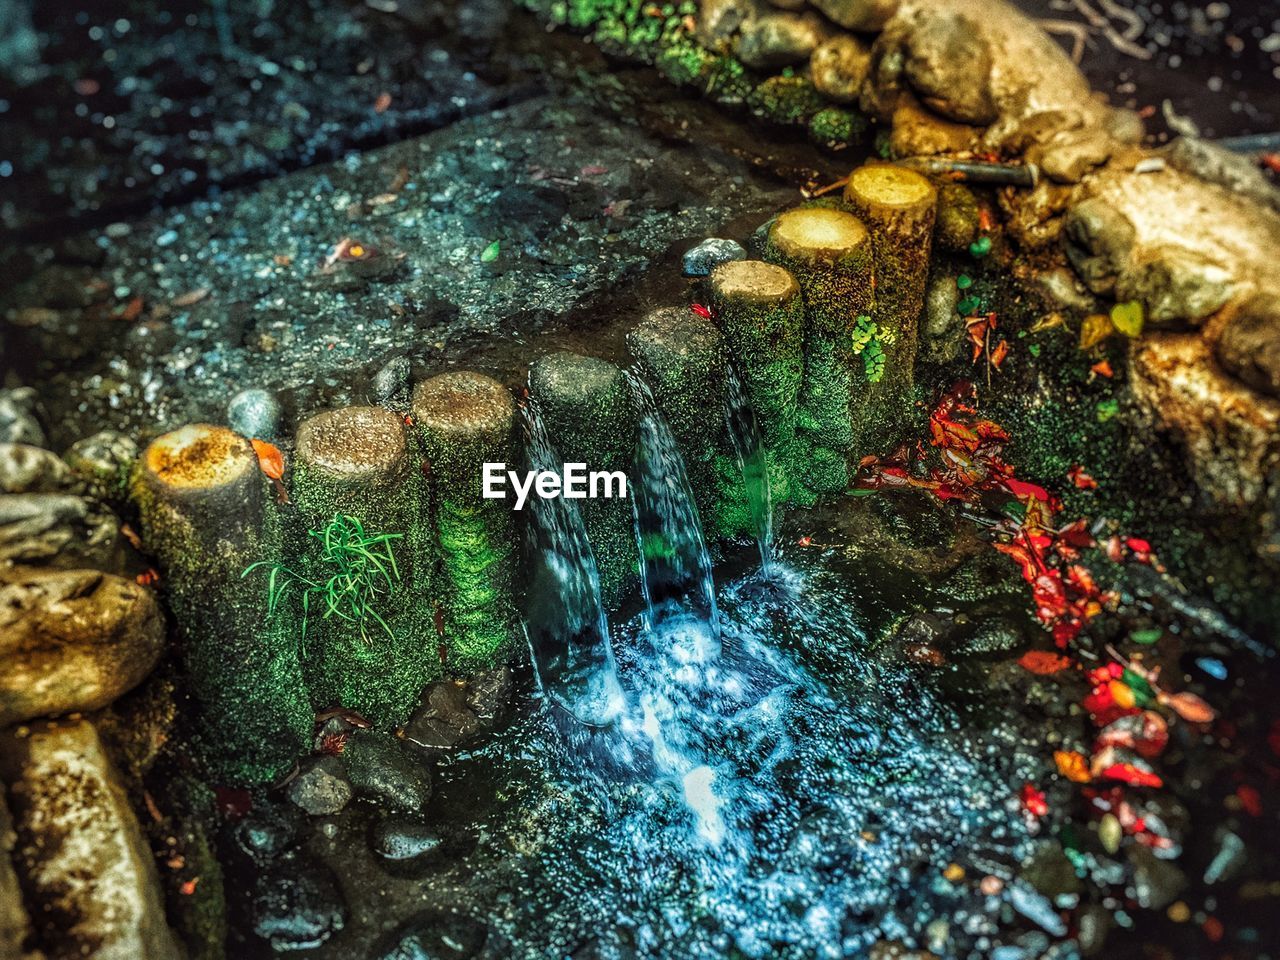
760,790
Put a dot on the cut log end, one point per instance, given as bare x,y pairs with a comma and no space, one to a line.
883,185
464,405
352,442
197,457
818,234
565,377
753,282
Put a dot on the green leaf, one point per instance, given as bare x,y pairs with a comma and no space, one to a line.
968,306
1034,349
1107,409
1128,317
980,247
1143,695
490,253
1146,637
964,282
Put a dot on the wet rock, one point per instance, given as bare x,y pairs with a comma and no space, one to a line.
949,66
1092,928
699,261
72,641
778,40
1035,907
88,871
1099,240
254,413
391,382
321,787
28,469
384,769
266,833
59,530
1156,882
433,935
489,694
404,838
1249,347
18,423
103,462
862,15
720,20
1230,435
1178,287
839,66
891,950
943,326
444,720
296,904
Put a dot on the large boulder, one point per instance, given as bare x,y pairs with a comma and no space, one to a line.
1230,434
72,640
87,869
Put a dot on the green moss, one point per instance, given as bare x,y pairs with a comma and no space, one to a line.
243,669
477,557
836,128
378,672
790,101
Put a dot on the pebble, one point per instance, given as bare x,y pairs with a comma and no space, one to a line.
404,838
321,787
391,383
104,461
254,413
434,935
699,261
381,767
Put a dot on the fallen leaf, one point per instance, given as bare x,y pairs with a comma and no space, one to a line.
1095,328
190,297
1128,318
382,103
1044,662
490,253
1073,765
1103,369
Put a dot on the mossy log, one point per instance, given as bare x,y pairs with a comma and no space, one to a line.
207,514
828,251
355,462
898,206
681,357
586,406
466,420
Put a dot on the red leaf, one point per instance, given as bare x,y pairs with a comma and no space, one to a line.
1132,775
1033,800
1044,662
1081,479
1250,800
1103,369
704,312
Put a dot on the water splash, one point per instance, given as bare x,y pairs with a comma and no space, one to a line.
566,623
748,449
676,577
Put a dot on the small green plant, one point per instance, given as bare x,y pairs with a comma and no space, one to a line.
866,343
363,569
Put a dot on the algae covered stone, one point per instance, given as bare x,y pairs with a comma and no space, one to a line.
359,494
465,420
586,405
207,515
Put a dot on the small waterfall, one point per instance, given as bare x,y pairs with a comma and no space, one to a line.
675,565
568,630
748,448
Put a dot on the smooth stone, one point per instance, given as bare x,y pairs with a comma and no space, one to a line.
1238,172
28,469
1099,242
720,20
949,66
404,838
699,261
296,904
266,832
103,461
1068,157
1157,883
489,694
18,423
58,529
434,935
88,871
384,769
867,15
943,328
994,636
15,925
254,413
73,641
321,787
